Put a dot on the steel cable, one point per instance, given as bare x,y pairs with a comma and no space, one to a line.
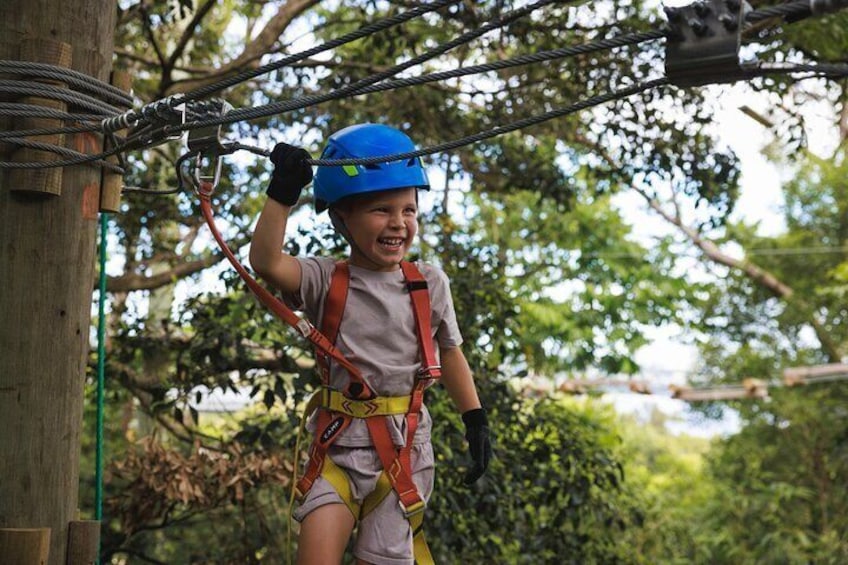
364,31
73,78
54,92
307,101
500,130
63,151
541,56
17,110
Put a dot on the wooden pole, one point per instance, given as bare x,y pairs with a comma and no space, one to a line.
21,546
47,259
47,180
83,542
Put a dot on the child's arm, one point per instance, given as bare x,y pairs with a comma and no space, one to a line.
456,376
266,248
291,175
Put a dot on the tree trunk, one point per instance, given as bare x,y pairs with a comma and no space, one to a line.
47,252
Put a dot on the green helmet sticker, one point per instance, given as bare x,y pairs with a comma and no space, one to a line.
351,170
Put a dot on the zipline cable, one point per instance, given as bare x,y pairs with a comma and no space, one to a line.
538,57
790,9
307,101
500,130
76,157
57,93
121,122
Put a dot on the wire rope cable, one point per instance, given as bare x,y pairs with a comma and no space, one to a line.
47,131
77,79
56,93
74,157
307,101
499,130
19,110
364,31
538,57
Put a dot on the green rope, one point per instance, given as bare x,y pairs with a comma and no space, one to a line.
101,371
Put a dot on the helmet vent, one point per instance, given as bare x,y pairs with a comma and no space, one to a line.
372,167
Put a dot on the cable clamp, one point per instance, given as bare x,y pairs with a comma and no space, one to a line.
703,42
208,139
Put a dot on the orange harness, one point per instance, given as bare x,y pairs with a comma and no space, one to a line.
395,461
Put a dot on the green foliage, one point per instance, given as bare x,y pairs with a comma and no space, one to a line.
554,492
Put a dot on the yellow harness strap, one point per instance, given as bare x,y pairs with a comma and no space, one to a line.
381,406
335,401
334,475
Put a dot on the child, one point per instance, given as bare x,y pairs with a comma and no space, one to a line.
377,328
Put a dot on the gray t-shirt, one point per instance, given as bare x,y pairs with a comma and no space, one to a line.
378,334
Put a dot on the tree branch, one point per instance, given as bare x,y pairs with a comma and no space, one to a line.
189,32
757,274
134,281
253,51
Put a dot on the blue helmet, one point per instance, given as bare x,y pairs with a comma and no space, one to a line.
332,183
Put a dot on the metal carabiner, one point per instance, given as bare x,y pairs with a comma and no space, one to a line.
205,185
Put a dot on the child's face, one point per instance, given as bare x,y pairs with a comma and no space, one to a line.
382,227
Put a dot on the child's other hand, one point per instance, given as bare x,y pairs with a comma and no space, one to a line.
291,173
477,435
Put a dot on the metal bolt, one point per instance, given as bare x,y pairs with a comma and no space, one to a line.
702,9
733,5
673,14
729,22
698,26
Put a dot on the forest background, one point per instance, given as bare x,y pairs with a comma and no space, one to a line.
569,244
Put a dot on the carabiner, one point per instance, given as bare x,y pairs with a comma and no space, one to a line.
205,185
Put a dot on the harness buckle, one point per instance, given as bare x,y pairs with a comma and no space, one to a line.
412,286
413,509
425,373
304,327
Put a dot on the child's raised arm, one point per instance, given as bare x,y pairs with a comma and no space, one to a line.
291,174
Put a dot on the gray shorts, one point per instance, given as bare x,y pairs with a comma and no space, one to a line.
384,535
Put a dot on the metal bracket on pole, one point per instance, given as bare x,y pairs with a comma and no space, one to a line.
703,42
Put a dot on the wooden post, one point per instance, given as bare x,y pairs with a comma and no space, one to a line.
83,542
47,260
24,546
49,181
112,183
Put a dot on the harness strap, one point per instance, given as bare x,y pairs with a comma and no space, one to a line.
397,465
324,346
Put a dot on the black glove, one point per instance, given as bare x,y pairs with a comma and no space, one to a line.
477,435
291,173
